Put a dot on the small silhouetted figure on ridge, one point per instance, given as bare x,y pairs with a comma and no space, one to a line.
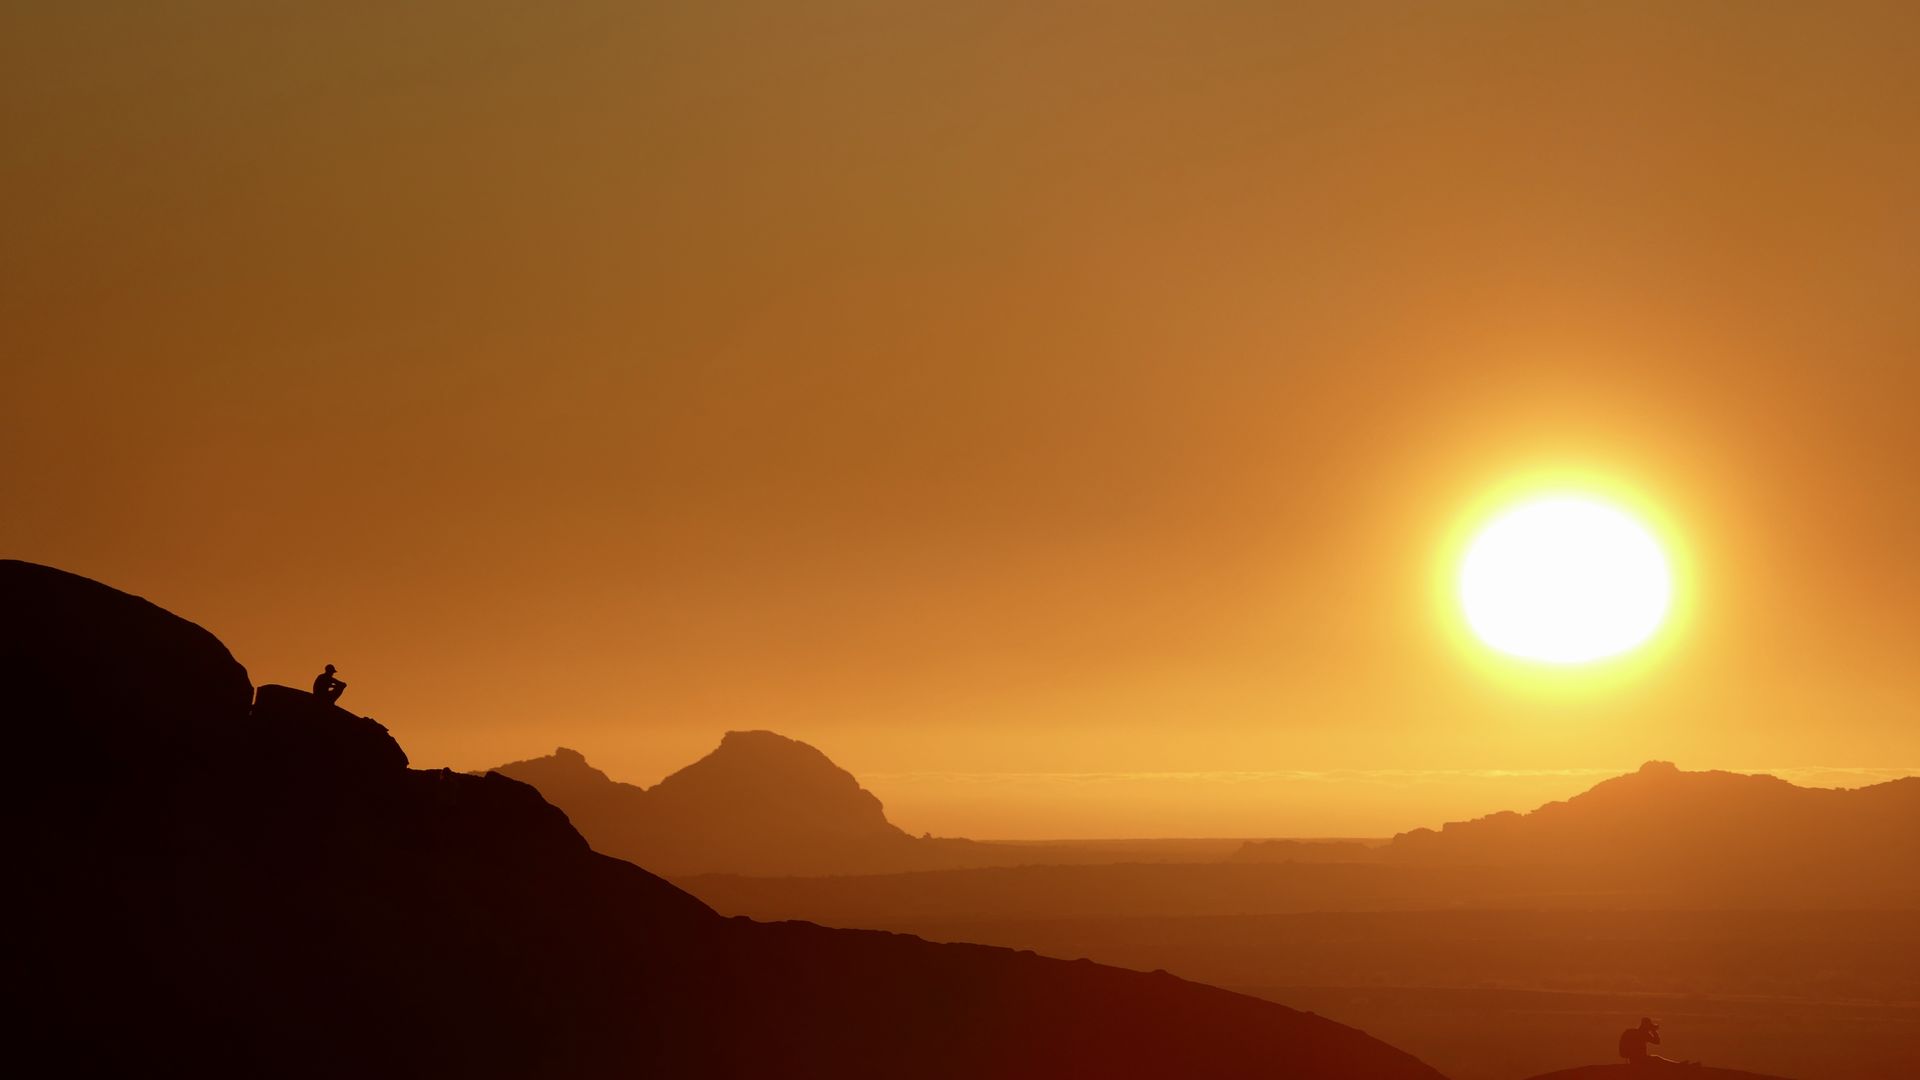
1634,1042
326,687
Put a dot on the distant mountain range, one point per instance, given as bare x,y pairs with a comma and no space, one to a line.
1663,829
1699,830
221,883
762,805
1677,832
1656,838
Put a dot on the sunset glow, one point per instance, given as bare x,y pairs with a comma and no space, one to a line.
1050,414
1346,541
1565,580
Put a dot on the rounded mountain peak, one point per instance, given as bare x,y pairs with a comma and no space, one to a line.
769,745
770,784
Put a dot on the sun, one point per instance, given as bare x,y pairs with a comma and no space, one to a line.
1566,579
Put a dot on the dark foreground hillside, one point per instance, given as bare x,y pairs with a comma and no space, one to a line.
1629,1073
224,886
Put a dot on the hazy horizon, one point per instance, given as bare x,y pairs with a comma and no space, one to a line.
1339,804
982,389
1239,804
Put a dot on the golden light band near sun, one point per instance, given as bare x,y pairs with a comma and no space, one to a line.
1646,626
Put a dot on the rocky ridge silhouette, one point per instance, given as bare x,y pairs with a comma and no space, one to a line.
760,803
1664,829
764,805
1713,832
237,885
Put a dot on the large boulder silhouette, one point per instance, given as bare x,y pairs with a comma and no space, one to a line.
276,893
148,693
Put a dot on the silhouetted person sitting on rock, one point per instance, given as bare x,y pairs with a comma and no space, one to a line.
326,687
1634,1043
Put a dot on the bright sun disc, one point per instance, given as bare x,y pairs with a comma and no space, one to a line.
1564,580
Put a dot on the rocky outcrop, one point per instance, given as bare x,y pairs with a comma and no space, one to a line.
289,724
279,895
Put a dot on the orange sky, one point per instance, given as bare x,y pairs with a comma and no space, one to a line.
1003,397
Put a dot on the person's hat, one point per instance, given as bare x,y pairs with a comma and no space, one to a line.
329,667
1648,1021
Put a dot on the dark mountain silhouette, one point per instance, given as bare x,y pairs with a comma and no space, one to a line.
1701,832
759,804
1629,1073
765,805
224,885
